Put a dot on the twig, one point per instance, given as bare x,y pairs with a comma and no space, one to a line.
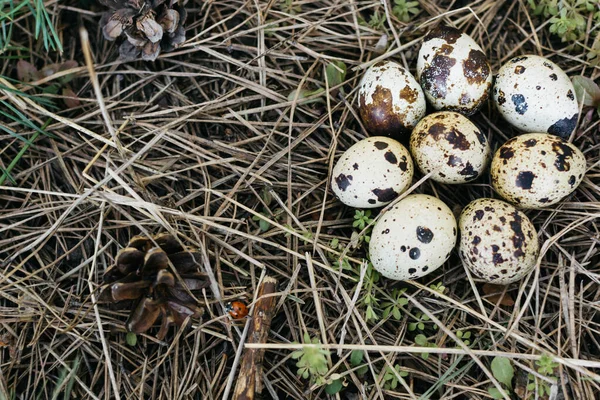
250,377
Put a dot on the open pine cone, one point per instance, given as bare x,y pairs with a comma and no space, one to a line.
148,26
141,272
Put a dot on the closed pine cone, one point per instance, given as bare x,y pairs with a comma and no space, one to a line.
148,26
141,272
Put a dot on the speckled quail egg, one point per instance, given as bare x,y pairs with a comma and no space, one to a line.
537,170
390,100
372,173
533,94
498,243
449,144
414,238
453,71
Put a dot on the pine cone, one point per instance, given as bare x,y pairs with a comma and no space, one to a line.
141,272
148,26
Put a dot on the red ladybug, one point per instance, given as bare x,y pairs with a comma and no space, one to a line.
236,309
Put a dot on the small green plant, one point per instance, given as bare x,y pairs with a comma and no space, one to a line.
405,10
356,359
307,237
131,339
370,300
12,10
419,324
312,360
546,365
336,73
263,223
377,20
396,304
438,287
362,219
543,388
464,336
390,379
289,7
423,341
568,18
504,372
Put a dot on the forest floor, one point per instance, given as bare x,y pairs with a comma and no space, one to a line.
216,143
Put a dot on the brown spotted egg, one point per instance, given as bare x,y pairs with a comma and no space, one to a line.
451,146
372,173
534,95
390,100
453,71
498,243
413,238
537,170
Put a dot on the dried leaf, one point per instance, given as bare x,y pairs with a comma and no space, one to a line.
586,90
494,293
26,72
71,100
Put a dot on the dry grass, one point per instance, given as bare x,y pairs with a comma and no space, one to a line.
204,139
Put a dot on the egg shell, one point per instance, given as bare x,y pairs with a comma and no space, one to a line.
537,170
534,95
413,238
372,173
453,71
498,243
390,100
447,142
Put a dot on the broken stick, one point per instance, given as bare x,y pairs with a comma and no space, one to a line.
250,378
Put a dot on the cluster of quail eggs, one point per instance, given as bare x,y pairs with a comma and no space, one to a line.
536,169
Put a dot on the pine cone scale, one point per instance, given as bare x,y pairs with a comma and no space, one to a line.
144,272
144,316
145,34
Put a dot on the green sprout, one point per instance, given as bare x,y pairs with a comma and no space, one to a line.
362,219
420,323
405,10
263,223
543,388
421,340
394,306
464,336
390,378
312,360
568,19
546,365
438,287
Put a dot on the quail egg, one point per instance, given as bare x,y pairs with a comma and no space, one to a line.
450,145
453,71
414,238
498,243
372,173
390,100
534,95
537,170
